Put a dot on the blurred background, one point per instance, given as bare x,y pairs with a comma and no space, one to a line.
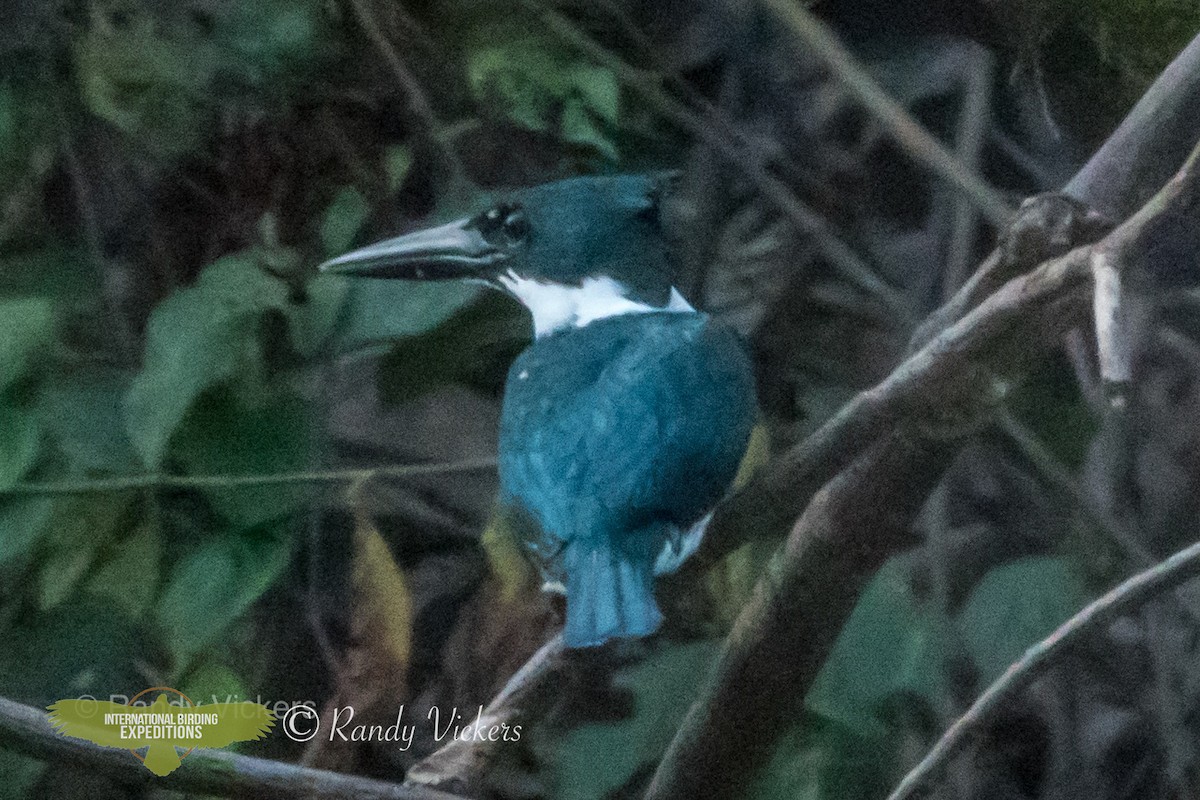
171,173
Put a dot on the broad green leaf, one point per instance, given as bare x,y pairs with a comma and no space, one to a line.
312,322
214,584
473,348
223,436
889,645
26,325
343,220
210,681
80,528
378,311
598,90
84,418
20,435
821,760
130,574
579,127
23,521
196,339
596,759
1015,606
51,273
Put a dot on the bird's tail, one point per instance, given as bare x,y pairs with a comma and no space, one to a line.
610,594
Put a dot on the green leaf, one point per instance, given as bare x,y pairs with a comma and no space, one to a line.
598,90
663,687
378,311
85,420
20,435
22,522
398,161
26,325
888,646
52,274
821,760
579,127
1015,606
215,583
343,220
210,681
472,348
314,320
128,578
196,339
80,528
223,436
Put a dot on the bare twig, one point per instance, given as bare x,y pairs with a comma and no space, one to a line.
212,772
165,481
1129,595
907,132
462,763
418,103
974,119
727,142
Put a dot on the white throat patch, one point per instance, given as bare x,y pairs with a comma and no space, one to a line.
556,306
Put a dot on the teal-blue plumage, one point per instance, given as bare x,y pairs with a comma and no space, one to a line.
615,440
625,420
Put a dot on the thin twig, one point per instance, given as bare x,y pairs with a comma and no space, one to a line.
1137,590
461,764
725,141
163,481
26,730
974,118
907,132
418,103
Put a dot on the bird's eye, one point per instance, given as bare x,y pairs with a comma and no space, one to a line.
516,225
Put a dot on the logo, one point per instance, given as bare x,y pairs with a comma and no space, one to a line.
162,727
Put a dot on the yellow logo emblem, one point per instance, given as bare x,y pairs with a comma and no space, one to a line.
161,727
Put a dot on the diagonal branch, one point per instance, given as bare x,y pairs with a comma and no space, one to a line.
1132,593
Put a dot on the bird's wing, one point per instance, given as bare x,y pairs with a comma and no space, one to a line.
84,719
239,722
650,434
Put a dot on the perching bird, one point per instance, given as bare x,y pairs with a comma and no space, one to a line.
624,422
160,727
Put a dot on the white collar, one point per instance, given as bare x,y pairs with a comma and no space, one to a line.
556,306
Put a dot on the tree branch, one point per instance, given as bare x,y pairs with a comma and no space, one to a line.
26,730
910,425
461,764
1037,659
165,481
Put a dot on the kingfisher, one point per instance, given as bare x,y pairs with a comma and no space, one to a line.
624,421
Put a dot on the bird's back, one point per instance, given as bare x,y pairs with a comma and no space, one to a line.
629,424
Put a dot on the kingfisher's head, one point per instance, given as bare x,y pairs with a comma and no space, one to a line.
571,251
